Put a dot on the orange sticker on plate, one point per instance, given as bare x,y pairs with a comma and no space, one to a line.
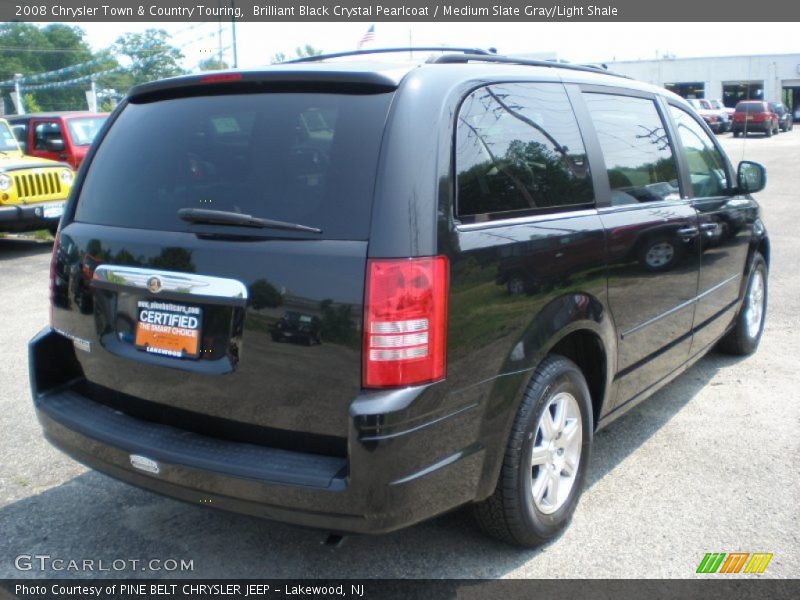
168,329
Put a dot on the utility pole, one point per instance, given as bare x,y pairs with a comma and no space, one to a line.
233,31
20,104
219,32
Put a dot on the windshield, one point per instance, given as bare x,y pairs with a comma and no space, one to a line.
8,143
83,130
305,158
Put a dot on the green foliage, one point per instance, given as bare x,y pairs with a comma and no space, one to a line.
212,63
30,103
299,52
337,323
264,295
174,259
28,49
151,57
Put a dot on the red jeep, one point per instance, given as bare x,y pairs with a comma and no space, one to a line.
61,136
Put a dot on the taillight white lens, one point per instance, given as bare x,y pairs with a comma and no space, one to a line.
394,341
405,321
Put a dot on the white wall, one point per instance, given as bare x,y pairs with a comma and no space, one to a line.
776,71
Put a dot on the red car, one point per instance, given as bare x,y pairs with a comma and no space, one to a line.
61,136
754,115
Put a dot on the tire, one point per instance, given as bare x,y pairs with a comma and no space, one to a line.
660,254
748,327
516,286
512,514
768,132
736,134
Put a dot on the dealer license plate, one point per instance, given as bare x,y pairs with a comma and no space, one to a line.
168,329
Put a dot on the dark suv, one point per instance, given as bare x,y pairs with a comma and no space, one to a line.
785,120
396,203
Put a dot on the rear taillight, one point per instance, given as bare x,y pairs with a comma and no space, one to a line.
405,321
53,275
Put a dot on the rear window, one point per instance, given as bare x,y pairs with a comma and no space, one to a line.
306,158
750,107
83,130
7,140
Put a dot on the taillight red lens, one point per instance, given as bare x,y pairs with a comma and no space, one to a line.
405,321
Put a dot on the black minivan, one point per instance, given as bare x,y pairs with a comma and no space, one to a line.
501,257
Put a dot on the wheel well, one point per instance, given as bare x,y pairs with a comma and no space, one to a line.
585,349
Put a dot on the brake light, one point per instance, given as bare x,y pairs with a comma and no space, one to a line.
405,321
221,77
53,274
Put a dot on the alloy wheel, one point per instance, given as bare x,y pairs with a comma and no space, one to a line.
556,453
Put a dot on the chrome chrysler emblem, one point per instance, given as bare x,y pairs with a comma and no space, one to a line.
154,285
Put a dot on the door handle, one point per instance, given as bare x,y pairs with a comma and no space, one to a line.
708,226
688,232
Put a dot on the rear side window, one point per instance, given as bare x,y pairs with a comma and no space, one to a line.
519,150
636,148
307,158
750,107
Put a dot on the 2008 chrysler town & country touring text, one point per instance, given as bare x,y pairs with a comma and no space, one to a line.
497,257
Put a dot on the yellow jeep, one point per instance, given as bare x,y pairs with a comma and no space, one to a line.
33,191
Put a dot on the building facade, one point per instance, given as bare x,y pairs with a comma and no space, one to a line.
773,77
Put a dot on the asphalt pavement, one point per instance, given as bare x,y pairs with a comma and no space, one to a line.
709,464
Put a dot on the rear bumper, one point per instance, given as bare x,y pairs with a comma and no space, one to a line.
392,477
29,217
760,127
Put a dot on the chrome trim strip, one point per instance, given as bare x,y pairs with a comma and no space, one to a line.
679,307
528,219
171,281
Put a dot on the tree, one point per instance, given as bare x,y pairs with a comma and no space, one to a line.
264,295
212,63
151,56
299,52
30,50
30,103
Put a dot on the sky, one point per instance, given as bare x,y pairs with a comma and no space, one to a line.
573,41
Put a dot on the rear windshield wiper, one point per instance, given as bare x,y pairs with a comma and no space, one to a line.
223,217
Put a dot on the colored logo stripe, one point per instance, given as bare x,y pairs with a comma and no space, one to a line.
758,562
722,562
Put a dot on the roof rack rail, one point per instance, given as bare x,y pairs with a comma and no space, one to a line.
471,51
465,57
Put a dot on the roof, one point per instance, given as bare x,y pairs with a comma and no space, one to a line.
56,114
359,70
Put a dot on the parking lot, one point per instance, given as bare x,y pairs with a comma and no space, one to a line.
709,464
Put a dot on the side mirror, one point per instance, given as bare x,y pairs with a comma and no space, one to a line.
54,144
751,177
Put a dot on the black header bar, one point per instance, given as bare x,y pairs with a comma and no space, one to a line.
118,11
